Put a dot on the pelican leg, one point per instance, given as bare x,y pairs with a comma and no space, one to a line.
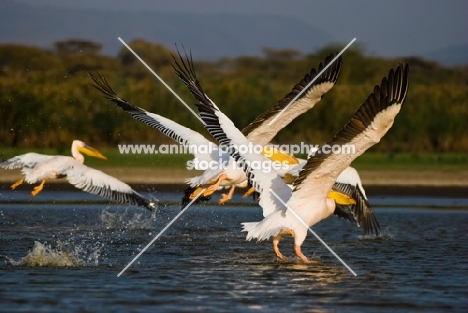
225,197
215,186
38,188
197,191
297,250
19,182
276,241
248,192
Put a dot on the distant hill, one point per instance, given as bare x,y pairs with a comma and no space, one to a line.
209,35
450,56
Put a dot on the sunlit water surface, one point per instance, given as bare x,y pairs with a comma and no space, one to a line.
62,252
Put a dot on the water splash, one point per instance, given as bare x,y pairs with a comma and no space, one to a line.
385,235
127,220
63,254
45,255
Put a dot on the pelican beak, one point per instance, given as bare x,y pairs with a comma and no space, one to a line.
90,151
276,155
341,198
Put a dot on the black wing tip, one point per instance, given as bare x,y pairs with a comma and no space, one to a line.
103,86
186,197
135,198
151,205
391,91
397,83
330,75
364,214
184,69
183,66
333,71
405,80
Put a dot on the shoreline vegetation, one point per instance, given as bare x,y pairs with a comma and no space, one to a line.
368,161
47,98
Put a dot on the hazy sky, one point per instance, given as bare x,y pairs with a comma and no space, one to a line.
387,28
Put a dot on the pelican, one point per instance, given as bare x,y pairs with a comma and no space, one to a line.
40,168
348,192
286,210
188,138
258,129
260,132
225,173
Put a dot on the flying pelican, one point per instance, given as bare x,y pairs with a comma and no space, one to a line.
286,210
260,132
222,164
359,211
40,167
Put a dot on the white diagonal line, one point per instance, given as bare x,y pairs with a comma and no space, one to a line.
277,116
313,233
161,232
160,79
313,80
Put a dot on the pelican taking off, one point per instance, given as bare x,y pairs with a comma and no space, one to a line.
307,92
348,184
40,167
191,140
287,211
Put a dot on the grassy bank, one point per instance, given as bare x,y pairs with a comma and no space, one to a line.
368,161
405,161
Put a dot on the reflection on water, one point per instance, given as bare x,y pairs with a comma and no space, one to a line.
203,262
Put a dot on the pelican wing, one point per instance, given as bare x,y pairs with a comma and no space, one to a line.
190,139
231,138
260,132
367,126
28,160
349,182
99,183
360,212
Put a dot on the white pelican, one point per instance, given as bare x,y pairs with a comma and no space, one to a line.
357,209
185,136
236,177
259,132
192,140
40,167
308,202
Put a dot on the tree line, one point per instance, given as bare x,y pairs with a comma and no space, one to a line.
47,98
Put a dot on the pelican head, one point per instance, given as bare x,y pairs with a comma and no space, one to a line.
79,147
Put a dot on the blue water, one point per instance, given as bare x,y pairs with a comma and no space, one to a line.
62,251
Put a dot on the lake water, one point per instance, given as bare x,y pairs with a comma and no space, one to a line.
62,252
